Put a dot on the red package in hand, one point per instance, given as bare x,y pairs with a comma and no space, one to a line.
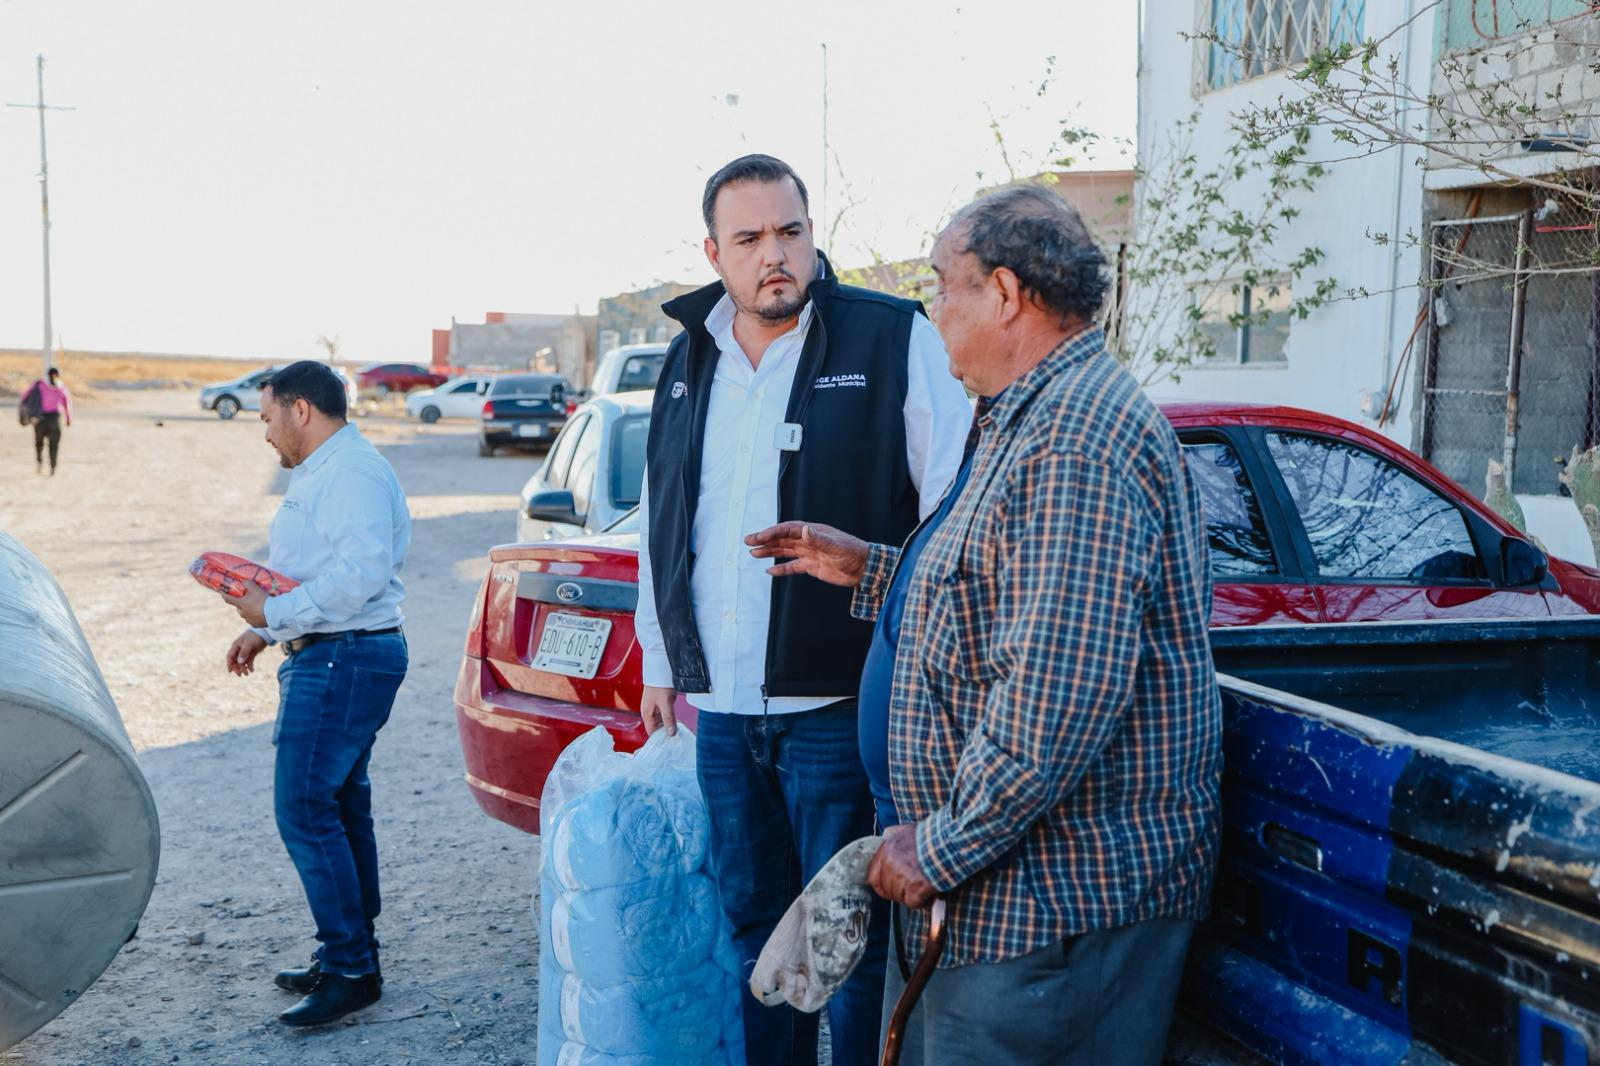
231,575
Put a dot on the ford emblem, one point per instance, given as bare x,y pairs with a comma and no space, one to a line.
569,592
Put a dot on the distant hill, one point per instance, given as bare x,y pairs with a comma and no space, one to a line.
85,371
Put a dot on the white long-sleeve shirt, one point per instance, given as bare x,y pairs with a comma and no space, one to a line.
342,531
731,590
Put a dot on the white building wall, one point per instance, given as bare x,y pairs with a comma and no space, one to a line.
1343,354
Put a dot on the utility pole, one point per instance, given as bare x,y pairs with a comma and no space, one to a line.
47,352
825,143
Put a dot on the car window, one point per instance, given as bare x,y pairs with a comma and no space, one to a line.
1235,534
585,456
628,523
640,372
464,386
627,459
555,468
1368,518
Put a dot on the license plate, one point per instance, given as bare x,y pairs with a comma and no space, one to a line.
528,429
571,644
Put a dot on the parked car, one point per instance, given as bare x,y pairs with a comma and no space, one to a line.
630,368
1382,895
1310,519
526,410
243,393
591,475
398,377
461,398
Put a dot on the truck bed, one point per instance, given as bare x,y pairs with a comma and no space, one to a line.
1411,844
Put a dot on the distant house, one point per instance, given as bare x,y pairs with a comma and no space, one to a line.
551,344
1103,197
636,317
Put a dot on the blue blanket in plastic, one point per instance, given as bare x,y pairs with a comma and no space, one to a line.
636,959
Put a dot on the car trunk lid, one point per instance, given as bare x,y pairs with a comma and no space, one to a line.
555,612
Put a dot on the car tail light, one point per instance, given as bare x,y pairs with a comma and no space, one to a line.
488,411
475,646
572,405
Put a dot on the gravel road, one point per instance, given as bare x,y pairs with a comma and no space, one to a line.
147,481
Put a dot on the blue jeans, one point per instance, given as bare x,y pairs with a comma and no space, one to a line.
786,792
333,697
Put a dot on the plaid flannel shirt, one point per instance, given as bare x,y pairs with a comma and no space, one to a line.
1054,720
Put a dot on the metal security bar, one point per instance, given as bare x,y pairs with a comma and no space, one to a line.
1510,365
1256,37
1465,24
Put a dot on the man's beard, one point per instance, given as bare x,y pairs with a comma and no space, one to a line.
780,310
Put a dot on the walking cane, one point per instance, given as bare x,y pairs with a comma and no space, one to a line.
931,951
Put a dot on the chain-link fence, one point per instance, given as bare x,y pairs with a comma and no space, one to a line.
1509,371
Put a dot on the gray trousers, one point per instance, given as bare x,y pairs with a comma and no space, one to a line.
1101,998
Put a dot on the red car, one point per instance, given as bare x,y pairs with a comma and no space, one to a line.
398,377
1310,519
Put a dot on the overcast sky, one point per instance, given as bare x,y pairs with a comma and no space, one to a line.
238,179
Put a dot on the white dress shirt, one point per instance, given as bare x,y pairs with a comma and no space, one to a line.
342,531
731,590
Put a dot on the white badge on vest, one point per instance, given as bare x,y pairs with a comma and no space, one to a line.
787,439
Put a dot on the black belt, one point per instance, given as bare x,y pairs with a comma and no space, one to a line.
301,643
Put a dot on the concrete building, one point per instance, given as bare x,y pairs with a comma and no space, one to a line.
636,317
1508,371
1483,368
551,344
1341,358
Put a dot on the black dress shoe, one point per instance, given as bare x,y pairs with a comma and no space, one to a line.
333,998
303,981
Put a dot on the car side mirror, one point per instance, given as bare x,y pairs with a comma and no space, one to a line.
553,505
1522,564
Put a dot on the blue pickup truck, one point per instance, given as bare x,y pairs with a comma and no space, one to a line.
1411,858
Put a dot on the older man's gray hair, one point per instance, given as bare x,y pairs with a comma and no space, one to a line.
1041,239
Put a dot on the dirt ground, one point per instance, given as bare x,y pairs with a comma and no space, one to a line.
147,480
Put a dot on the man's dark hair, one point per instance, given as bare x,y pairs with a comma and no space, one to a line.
1041,239
311,381
763,168
52,374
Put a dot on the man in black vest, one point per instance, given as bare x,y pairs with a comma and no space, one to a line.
786,395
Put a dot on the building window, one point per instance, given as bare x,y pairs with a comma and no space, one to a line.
1465,24
637,335
1246,323
609,339
1267,35
663,333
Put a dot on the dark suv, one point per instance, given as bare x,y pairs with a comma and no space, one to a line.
524,410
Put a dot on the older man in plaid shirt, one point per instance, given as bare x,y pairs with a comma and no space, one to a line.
1047,694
